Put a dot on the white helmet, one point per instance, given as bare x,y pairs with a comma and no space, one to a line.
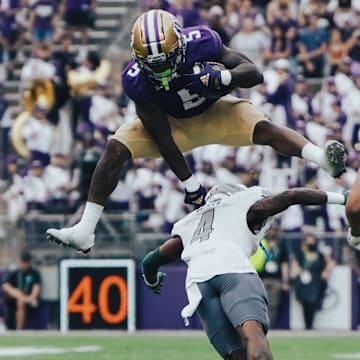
221,191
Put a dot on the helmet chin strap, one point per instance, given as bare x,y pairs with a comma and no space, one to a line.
163,76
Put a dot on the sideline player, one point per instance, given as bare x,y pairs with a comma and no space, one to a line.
179,110
216,242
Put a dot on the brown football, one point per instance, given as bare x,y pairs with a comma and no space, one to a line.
216,65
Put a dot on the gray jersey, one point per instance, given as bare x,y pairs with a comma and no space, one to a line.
216,237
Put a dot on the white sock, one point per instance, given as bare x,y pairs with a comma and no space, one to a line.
315,154
90,217
335,198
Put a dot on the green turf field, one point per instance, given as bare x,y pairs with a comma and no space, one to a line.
173,346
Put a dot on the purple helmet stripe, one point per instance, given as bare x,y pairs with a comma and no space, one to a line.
147,37
157,35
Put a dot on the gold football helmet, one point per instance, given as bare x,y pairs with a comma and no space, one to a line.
158,46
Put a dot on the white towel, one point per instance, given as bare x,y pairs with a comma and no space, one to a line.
194,297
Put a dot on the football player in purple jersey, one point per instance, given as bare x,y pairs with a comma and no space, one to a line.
182,102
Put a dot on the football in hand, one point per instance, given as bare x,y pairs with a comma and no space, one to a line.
215,66
210,84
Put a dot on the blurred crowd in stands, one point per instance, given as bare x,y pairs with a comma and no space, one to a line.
308,50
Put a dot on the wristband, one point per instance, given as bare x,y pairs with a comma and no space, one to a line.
191,184
225,77
335,198
156,283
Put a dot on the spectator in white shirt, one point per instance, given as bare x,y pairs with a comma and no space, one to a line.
122,198
226,171
57,178
205,174
251,42
170,203
343,77
147,185
103,110
323,99
300,99
12,196
316,130
40,66
38,133
35,190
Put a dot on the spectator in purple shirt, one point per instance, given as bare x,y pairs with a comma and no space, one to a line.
80,15
154,4
247,9
2,58
186,11
280,46
9,32
212,16
5,122
282,95
340,117
284,19
43,21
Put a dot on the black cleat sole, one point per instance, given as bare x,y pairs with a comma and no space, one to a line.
59,242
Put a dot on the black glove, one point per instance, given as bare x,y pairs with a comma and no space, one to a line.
207,82
196,198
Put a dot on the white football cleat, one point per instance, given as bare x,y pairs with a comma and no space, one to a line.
72,237
335,158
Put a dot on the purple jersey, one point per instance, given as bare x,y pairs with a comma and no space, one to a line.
44,13
8,22
203,44
78,5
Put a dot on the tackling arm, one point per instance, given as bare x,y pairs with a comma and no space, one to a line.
272,205
168,252
244,73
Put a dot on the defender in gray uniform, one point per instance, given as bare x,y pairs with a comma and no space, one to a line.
216,241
